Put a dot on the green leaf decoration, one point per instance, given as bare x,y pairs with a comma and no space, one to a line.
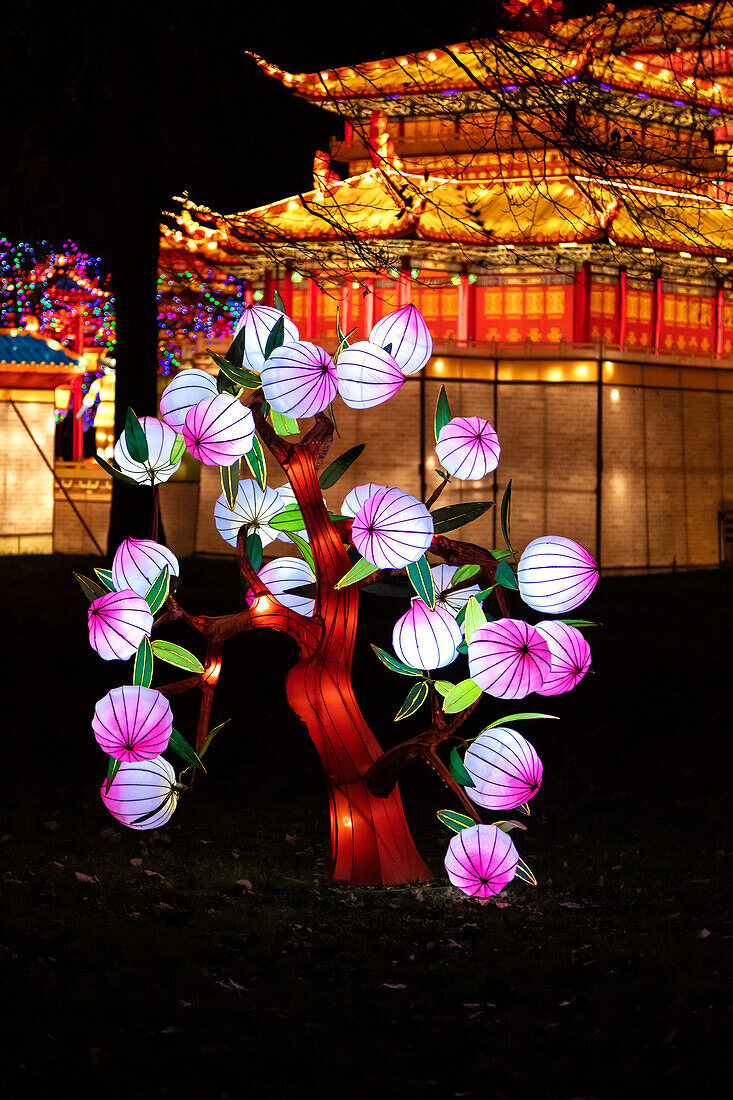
230,482
278,302
519,718
142,672
422,580
211,735
473,617
105,576
158,591
113,472
464,573
442,473
90,588
225,385
388,348
506,508
339,466
235,354
276,338
568,622
180,745
461,696
177,449
455,821
343,343
112,768
255,459
358,572
135,439
526,875
458,515
290,519
151,813
505,576
176,655
463,647
304,547
458,770
415,698
524,809
507,826
283,425
254,551
443,687
332,417
395,665
240,376
497,555
442,412
336,518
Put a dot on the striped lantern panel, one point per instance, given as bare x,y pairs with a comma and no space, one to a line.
481,860
556,575
358,497
258,322
453,602
133,723
508,658
138,562
139,788
569,657
118,622
281,576
367,375
426,637
219,430
186,390
392,529
299,379
407,332
158,466
253,506
468,447
505,768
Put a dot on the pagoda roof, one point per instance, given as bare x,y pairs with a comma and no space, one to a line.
653,28
30,361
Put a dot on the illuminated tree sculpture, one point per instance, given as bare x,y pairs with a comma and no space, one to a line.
313,596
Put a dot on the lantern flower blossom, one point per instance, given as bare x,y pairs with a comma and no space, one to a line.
405,329
133,723
556,574
138,562
299,379
186,390
118,622
139,788
282,576
392,529
569,657
481,860
258,322
157,467
253,506
505,768
508,658
367,375
426,637
452,602
358,497
468,447
218,430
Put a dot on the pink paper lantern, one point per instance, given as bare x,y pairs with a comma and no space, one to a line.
282,575
139,788
367,375
253,506
358,497
218,430
569,657
481,860
426,637
157,467
452,602
505,768
556,574
186,390
118,622
299,379
405,329
392,529
508,658
468,447
138,562
258,322
133,723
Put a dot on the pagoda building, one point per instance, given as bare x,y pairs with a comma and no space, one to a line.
557,204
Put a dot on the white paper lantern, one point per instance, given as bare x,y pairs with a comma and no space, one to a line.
468,447
139,788
281,576
186,390
508,658
133,723
426,637
367,375
299,379
405,329
118,622
253,506
357,498
392,529
505,768
138,562
556,575
453,602
569,657
219,430
258,322
481,860
157,467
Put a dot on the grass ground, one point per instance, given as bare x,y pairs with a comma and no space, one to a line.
212,960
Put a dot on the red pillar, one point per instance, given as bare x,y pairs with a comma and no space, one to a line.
77,434
657,307
368,309
463,311
345,307
287,292
719,318
311,316
268,299
403,284
249,295
621,314
581,319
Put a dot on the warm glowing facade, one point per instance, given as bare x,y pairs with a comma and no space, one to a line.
579,296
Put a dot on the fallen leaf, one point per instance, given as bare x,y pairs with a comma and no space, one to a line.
246,884
135,862
154,874
703,934
395,985
80,877
52,825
